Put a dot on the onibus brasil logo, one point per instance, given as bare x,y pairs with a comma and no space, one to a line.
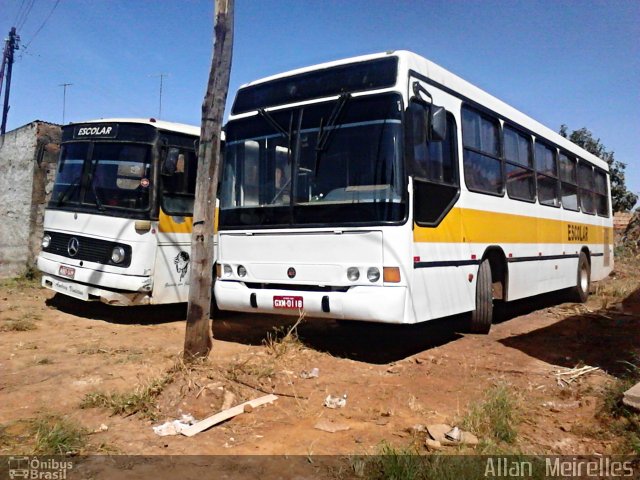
38,468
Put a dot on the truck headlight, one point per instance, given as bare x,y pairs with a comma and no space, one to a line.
46,241
353,273
118,255
373,274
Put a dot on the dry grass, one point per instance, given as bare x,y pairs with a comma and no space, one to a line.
494,417
55,435
18,325
282,341
142,400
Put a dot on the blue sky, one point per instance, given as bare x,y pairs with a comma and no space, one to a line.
558,61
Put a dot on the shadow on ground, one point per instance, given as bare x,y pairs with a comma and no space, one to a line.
607,338
138,315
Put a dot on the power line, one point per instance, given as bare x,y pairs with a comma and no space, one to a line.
43,24
15,20
26,15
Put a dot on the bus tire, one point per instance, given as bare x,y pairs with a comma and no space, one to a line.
580,292
481,317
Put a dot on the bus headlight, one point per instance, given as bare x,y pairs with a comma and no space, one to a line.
242,272
353,273
373,274
46,241
227,270
118,255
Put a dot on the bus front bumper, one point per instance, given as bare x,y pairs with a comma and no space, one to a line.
88,284
372,304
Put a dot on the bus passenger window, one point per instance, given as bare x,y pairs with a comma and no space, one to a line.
586,186
519,165
601,197
482,162
569,182
547,175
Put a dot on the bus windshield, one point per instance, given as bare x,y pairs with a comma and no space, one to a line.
336,162
103,176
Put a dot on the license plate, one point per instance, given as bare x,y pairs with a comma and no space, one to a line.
293,303
68,272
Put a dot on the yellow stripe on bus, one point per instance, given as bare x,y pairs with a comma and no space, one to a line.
171,224
464,225
175,224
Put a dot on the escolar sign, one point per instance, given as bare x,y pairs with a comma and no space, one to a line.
99,131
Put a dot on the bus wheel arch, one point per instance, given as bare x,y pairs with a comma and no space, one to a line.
491,283
580,292
499,271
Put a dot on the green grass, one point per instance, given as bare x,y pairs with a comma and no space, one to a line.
494,417
55,435
140,401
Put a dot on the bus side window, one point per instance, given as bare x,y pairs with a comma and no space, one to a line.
602,199
547,167
586,186
569,182
178,189
519,165
482,162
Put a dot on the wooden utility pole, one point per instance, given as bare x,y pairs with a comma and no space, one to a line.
198,336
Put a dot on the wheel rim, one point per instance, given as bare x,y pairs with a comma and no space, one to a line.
584,279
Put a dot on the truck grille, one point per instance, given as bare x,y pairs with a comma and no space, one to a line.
89,249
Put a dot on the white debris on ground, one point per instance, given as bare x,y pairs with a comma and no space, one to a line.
174,427
335,402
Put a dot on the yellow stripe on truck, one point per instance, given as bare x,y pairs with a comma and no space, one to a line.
465,225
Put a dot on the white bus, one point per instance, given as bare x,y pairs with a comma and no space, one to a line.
384,188
118,226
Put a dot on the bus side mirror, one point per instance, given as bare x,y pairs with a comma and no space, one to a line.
428,123
170,162
437,124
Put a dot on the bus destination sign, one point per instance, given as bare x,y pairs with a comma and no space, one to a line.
98,130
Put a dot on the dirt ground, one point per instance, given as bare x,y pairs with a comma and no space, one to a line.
393,377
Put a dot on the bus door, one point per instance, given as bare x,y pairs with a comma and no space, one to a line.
438,244
175,222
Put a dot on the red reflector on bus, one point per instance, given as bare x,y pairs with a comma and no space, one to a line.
416,259
473,257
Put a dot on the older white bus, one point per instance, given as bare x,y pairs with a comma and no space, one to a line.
118,226
384,188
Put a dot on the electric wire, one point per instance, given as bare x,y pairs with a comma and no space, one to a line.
43,24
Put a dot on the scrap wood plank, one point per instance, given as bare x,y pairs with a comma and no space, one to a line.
225,415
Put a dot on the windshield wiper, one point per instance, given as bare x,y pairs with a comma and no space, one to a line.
325,131
70,188
95,195
271,121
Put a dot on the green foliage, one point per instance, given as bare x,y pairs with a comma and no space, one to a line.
623,200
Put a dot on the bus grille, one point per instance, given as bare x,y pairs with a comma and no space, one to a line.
89,249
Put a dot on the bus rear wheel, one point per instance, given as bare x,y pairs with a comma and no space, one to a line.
481,317
580,292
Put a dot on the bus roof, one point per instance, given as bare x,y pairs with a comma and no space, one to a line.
159,124
455,85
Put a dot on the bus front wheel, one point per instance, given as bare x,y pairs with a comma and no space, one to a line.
481,317
580,292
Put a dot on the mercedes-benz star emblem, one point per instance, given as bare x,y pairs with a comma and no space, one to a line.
73,246
291,272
